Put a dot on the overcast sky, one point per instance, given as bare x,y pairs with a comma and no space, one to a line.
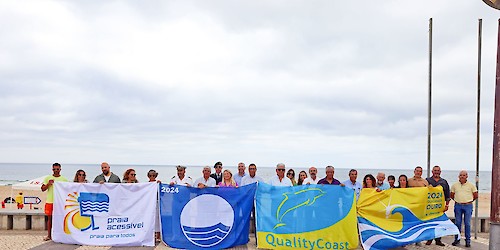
341,83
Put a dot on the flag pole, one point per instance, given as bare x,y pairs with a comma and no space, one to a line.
495,168
429,107
478,118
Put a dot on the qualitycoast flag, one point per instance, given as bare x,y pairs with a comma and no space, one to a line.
402,216
104,214
306,217
214,218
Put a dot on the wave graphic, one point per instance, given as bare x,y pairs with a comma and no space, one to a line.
206,236
413,231
97,203
94,206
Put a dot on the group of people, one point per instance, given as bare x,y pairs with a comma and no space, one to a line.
219,178
462,192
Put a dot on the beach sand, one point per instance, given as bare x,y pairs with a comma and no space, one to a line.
7,191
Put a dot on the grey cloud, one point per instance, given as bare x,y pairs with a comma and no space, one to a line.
296,80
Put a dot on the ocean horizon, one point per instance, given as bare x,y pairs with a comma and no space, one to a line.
13,173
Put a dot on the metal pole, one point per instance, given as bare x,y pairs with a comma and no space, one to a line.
478,118
495,168
429,107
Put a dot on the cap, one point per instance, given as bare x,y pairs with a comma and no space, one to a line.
179,167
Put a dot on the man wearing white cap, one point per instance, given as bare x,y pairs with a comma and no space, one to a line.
181,178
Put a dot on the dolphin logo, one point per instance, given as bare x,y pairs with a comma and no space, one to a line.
300,198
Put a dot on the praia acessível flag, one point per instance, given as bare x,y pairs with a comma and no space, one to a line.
402,216
209,218
306,217
106,214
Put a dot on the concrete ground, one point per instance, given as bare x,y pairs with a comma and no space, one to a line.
30,239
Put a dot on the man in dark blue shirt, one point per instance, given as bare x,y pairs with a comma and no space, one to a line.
436,180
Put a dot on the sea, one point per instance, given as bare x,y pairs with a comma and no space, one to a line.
12,173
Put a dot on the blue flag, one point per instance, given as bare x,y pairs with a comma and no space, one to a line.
208,218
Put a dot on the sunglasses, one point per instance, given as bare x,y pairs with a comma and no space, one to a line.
281,169
151,175
82,175
218,167
252,169
290,174
133,174
56,169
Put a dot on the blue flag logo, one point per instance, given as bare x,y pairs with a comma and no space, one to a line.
202,229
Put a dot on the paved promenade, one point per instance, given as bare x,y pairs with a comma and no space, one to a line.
21,240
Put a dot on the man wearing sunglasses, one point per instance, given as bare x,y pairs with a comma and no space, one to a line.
48,185
181,178
218,172
280,179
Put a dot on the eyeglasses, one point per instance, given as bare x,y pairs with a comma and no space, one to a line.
281,169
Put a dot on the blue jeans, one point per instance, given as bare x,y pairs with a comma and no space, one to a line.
463,212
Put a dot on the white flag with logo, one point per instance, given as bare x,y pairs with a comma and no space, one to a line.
104,214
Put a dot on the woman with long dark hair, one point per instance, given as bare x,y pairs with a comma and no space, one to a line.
302,177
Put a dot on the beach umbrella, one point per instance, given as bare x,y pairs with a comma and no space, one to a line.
34,184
